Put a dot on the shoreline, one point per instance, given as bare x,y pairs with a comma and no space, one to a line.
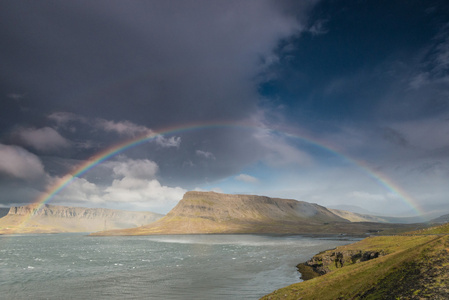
308,272
380,267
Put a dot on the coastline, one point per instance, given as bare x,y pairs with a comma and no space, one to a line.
403,266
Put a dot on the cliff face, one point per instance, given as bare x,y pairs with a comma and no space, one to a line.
209,212
53,218
328,261
56,211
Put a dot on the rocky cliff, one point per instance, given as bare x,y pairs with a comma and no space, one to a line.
209,212
53,218
330,260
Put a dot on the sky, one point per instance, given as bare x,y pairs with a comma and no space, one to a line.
340,103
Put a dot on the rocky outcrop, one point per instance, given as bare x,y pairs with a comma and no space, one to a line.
53,218
330,260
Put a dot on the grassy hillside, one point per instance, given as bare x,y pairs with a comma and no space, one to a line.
408,267
440,229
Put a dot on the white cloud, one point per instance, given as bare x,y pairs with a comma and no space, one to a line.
136,189
17,162
122,128
140,168
125,128
80,190
168,142
62,118
139,193
205,154
42,139
247,178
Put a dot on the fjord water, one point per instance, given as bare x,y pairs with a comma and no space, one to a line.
76,266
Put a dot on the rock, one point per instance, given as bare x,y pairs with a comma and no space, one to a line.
327,261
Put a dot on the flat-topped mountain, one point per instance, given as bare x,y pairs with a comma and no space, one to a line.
209,212
224,207
53,218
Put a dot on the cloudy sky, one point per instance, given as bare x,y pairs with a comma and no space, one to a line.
331,102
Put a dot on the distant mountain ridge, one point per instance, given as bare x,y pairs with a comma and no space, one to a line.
352,208
441,219
378,217
356,217
209,212
53,218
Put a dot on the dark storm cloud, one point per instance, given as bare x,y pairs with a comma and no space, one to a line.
92,74
147,64
152,62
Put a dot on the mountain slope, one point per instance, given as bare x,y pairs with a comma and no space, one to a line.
357,217
441,219
439,229
209,212
53,218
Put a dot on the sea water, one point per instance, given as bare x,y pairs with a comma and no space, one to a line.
77,266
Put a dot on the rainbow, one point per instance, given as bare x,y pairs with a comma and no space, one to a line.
106,154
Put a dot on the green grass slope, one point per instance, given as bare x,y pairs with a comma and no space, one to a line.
411,267
440,229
